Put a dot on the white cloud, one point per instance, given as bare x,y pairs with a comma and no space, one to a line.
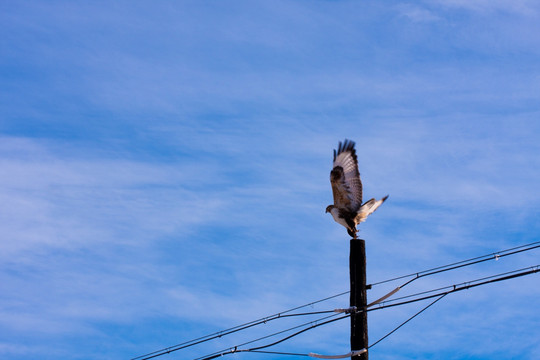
193,170
417,14
521,7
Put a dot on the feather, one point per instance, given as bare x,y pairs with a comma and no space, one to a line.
345,178
348,209
368,208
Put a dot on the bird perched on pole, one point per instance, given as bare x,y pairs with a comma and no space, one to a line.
348,209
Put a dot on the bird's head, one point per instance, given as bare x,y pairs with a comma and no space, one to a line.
329,207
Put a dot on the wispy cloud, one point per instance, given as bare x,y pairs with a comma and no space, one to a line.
416,13
521,7
166,168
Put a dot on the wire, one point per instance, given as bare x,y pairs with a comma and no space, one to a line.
406,321
283,314
237,328
463,263
453,266
451,286
234,349
300,332
455,288
277,353
439,296
464,286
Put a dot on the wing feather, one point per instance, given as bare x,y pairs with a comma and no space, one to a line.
345,178
368,208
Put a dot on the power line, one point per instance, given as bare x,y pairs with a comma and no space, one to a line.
438,296
464,286
277,353
235,349
237,328
453,266
456,265
406,321
384,304
452,286
455,288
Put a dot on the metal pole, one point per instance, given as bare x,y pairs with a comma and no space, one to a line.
357,269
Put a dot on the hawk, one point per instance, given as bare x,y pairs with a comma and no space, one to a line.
348,209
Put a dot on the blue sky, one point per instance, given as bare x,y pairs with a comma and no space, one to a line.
165,171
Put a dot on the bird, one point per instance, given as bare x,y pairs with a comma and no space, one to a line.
348,209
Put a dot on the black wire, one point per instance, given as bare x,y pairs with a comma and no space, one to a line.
456,288
308,313
464,286
234,349
534,269
237,328
300,332
439,269
452,286
406,321
463,263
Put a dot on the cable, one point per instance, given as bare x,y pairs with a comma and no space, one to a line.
406,321
496,278
300,332
455,288
463,263
237,328
277,353
453,266
439,296
464,286
452,286
234,349
424,273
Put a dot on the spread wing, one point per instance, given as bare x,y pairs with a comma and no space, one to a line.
366,209
345,178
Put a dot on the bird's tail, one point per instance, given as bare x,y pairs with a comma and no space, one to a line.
367,208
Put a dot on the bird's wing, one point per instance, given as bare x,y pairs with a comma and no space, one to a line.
366,209
345,178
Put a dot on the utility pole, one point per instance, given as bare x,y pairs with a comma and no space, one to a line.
357,269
